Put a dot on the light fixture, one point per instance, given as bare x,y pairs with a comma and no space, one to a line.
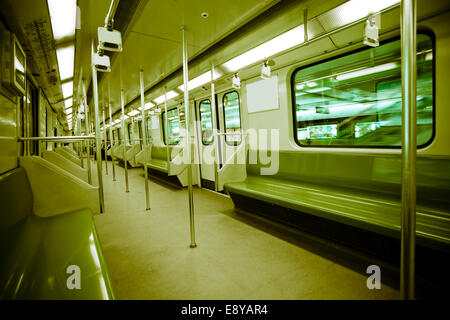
367,71
171,94
201,80
133,113
67,89
63,14
284,41
357,9
65,58
346,13
147,106
68,102
236,81
265,70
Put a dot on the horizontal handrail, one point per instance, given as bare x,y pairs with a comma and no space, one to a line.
57,139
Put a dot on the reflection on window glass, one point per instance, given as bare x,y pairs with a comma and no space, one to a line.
114,136
149,129
206,121
355,100
130,133
232,117
173,129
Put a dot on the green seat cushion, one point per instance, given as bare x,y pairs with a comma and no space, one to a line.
158,164
368,210
34,266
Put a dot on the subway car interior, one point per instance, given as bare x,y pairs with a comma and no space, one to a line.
224,150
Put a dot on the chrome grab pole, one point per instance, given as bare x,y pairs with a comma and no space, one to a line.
214,124
111,136
144,138
106,140
166,130
188,138
409,148
88,143
122,100
97,132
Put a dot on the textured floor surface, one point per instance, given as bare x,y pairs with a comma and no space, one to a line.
237,257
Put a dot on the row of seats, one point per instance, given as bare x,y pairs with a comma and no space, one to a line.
156,158
362,191
47,231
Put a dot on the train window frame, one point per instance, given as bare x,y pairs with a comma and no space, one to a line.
423,31
163,128
130,133
201,123
148,124
231,143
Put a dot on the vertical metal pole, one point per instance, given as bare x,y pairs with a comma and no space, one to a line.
305,24
106,140
166,129
214,124
88,142
144,138
97,132
111,137
188,138
122,99
409,148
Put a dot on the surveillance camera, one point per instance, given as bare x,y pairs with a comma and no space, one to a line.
109,40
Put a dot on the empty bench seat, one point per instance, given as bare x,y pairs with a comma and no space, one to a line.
360,191
37,252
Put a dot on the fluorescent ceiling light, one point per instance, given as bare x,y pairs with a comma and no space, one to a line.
348,12
367,71
133,113
65,62
67,89
68,102
63,14
357,9
171,94
147,106
200,80
283,42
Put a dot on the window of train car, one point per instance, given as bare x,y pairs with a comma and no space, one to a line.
173,129
355,100
206,122
118,135
149,129
232,116
130,133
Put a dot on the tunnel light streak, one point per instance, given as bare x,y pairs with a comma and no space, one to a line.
67,89
63,17
200,80
367,71
171,94
65,58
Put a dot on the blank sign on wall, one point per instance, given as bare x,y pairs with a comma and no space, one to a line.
262,95
155,122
